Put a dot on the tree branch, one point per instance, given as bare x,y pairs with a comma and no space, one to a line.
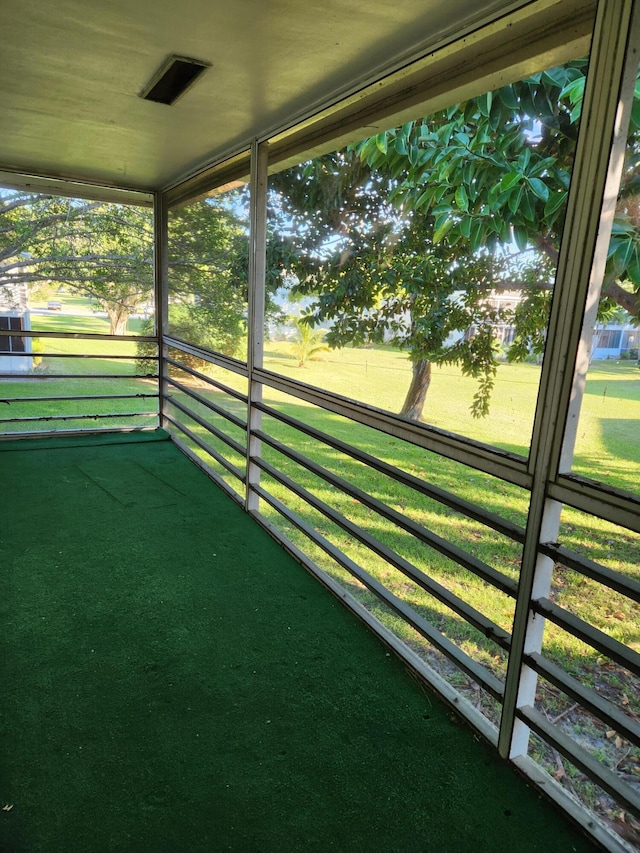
628,300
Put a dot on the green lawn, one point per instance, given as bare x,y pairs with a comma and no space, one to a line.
607,446
70,302
100,366
381,376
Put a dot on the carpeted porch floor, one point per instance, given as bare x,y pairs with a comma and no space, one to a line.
174,682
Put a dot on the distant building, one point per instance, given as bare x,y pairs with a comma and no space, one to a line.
615,341
15,351
611,340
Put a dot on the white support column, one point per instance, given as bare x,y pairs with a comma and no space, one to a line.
606,108
534,632
160,255
257,267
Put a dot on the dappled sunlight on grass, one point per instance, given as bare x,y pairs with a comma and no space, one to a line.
598,605
83,321
613,681
607,449
439,614
606,543
380,376
503,498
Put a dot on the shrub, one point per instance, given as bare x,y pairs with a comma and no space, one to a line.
37,345
198,326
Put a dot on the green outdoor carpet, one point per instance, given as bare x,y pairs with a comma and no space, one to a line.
174,681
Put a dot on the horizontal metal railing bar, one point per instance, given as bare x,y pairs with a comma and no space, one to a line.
453,552
595,638
208,379
44,377
230,442
466,663
206,469
232,364
68,433
470,615
614,580
219,410
88,336
592,701
94,417
500,525
499,463
613,505
595,770
9,400
86,355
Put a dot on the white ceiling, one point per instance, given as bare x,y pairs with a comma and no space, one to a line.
71,71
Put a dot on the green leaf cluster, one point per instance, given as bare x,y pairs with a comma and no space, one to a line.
403,237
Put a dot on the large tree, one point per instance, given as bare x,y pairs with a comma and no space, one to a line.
104,251
374,271
500,166
106,254
406,235
208,261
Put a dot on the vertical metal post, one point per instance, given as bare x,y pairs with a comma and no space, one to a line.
579,275
257,269
161,255
565,445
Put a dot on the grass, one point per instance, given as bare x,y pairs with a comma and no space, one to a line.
69,301
380,377
100,366
606,443
85,324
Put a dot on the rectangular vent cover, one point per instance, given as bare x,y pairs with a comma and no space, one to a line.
173,78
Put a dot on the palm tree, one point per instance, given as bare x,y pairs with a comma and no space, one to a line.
309,343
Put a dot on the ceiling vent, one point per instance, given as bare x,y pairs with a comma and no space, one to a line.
173,78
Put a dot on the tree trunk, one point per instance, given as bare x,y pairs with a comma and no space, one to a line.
417,393
118,317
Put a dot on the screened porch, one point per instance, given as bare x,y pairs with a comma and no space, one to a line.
321,519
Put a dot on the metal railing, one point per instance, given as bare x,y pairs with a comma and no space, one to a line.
72,408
